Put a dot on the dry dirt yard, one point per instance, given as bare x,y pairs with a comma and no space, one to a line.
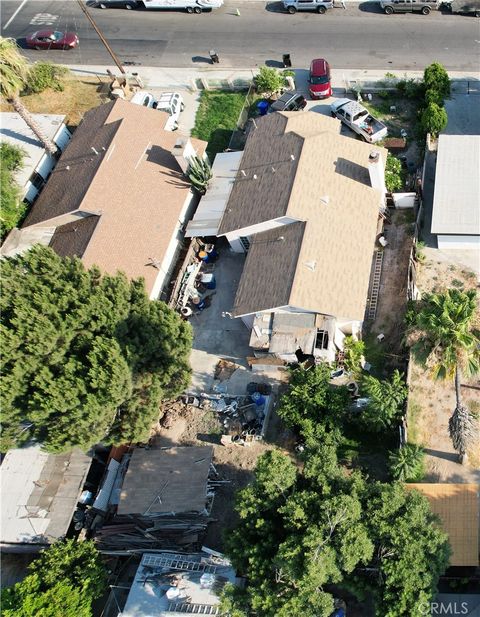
432,402
186,425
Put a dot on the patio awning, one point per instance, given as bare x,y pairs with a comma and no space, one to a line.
212,205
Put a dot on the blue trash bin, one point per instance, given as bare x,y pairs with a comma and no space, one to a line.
262,107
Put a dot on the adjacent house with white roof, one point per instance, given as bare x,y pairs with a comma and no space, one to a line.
38,163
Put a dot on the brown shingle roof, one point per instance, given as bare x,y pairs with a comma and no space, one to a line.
74,172
269,269
72,239
135,185
330,190
457,505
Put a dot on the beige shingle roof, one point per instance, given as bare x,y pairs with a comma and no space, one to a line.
136,188
330,190
457,505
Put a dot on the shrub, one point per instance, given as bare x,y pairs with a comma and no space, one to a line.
12,209
269,80
411,88
433,119
393,174
353,351
436,78
43,75
406,464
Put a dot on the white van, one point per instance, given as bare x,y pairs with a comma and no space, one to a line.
169,102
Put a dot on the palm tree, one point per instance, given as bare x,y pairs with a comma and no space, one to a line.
450,347
406,464
386,398
13,74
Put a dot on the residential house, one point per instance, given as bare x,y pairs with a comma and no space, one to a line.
40,494
456,201
118,197
37,163
169,584
457,506
305,202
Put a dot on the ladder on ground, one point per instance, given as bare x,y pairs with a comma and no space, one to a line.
377,274
193,609
176,562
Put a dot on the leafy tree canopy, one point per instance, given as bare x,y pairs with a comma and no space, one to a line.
322,526
393,174
437,83
311,404
63,582
268,80
86,357
386,399
11,208
433,119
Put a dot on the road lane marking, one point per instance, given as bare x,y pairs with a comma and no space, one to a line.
14,15
44,19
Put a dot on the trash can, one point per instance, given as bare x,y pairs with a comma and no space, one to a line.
214,56
287,62
262,107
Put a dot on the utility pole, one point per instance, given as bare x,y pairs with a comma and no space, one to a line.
102,38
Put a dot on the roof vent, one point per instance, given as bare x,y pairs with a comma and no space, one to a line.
292,156
242,171
273,170
255,176
325,199
67,167
374,156
311,265
95,151
281,239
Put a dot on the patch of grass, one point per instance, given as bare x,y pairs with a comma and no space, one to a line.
216,118
77,97
457,283
414,412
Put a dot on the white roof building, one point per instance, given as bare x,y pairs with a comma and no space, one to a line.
39,493
456,202
37,164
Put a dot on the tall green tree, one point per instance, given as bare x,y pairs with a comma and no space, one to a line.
62,582
433,119
301,531
406,464
437,83
386,400
86,358
14,71
446,342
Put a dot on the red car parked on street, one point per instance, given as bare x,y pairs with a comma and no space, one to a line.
52,39
319,84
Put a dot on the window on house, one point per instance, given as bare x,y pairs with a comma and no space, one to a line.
245,242
322,339
37,180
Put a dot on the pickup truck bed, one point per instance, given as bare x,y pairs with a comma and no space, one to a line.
359,120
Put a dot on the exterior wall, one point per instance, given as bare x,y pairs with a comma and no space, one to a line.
248,320
171,254
245,232
46,164
446,241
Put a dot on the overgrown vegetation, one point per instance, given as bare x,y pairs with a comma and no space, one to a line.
44,75
217,118
62,582
86,358
406,464
269,81
200,174
393,174
12,209
301,531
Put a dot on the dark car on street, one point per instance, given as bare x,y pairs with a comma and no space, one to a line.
289,101
52,39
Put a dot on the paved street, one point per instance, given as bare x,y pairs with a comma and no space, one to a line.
360,36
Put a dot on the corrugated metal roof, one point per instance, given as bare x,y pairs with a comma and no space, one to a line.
456,201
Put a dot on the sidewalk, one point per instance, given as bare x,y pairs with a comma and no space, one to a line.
155,77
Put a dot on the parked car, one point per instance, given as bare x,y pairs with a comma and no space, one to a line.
52,39
409,6
319,84
289,101
468,7
319,6
169,102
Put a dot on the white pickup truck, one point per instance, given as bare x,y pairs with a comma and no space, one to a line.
169,102
359,119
